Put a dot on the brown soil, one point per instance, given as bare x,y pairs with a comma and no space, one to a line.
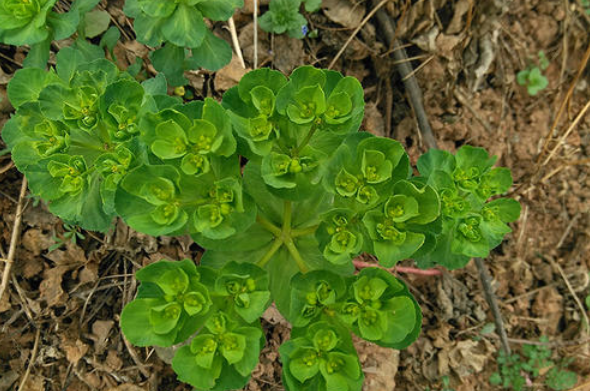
468,53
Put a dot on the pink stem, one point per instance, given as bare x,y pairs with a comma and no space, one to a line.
400,269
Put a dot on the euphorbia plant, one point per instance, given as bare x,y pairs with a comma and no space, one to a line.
282,192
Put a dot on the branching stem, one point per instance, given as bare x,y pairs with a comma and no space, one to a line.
296,256
266,224
276,245
304,231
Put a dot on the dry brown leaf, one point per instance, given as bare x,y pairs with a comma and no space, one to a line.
50,288
113,361
467,357
101,330
373,121
36,241
74,350
229,75
344,12
289,53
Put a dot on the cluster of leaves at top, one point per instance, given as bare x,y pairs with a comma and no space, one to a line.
177,25
314,193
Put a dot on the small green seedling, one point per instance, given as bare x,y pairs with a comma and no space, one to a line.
71,234
532,77
518,372
278,178
283,16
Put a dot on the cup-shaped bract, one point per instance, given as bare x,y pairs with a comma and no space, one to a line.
171,304
24,22
190,141
222,356
315,296
340,235
380,309
401,226
470,226
252,107
363,170
246,287
322,358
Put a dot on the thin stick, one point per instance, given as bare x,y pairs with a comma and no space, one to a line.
31,361
399,269
14,238
573,293
407,73
6,168
235,41
582,387
255,34
418,68
567,132
355,32
484,276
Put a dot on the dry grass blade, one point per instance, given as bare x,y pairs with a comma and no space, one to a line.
355,32
23,382
6,168
573,293
234,38
567,132
13,238
563,105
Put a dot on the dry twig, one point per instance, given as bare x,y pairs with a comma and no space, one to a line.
355,32
485,279
399,269
13,238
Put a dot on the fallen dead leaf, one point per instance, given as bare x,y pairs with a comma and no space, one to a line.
113,361
289,53
74,350
344,12
467,357
101,330
373,121
36,241
50,289
229,75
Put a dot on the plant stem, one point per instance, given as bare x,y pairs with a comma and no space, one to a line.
266,224
400,269
287,219
296,256
271,251
304,231
310,134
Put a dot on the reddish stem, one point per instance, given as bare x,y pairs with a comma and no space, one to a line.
400,269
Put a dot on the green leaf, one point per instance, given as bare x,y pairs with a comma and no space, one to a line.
185,27
185,365
27,84
169,59
96,22
219,10
213,53
38,56
134,319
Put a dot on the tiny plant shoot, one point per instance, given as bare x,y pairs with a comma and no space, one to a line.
313,194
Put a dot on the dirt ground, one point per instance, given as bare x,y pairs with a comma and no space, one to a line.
59,320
